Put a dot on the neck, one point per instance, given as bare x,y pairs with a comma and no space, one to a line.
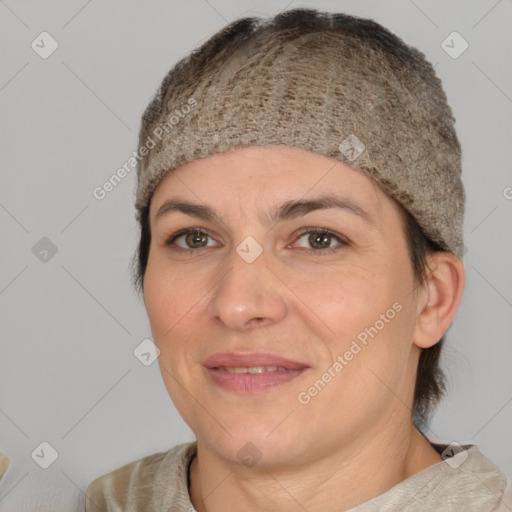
346,478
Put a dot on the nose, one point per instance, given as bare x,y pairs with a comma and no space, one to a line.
248,295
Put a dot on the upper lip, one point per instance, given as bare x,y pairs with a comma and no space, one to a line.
251,359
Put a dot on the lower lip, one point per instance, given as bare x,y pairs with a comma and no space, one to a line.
252,382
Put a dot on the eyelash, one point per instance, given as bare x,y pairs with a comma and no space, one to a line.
343,242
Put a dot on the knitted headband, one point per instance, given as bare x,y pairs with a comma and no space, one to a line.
332,84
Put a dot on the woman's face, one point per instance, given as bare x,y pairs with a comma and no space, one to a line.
293,261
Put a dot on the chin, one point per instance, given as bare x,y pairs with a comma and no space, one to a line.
252,445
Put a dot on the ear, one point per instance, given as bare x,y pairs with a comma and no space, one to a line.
439,298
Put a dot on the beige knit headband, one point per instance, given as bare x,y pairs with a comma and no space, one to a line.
330,92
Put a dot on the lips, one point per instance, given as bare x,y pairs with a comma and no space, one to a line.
251,359
265,370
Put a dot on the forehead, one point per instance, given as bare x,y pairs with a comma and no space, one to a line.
260,177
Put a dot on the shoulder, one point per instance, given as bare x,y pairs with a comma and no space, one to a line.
465,478
139,485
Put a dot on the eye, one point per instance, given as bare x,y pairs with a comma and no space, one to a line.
188,239
320,240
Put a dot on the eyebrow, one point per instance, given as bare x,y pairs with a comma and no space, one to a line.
288,210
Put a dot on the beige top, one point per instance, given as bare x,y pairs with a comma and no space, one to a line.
159,482
4,464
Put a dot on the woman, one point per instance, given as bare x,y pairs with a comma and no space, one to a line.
301,208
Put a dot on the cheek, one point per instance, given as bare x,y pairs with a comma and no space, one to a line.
343,302
372,321
171,297
173,304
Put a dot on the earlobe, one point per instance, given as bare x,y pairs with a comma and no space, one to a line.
437,307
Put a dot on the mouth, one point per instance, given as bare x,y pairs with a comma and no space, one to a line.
251,372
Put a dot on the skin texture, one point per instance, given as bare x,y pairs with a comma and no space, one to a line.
355,438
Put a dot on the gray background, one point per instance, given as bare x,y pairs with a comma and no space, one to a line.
70,324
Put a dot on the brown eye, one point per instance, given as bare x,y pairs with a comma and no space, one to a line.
190,239
196,239
319,240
